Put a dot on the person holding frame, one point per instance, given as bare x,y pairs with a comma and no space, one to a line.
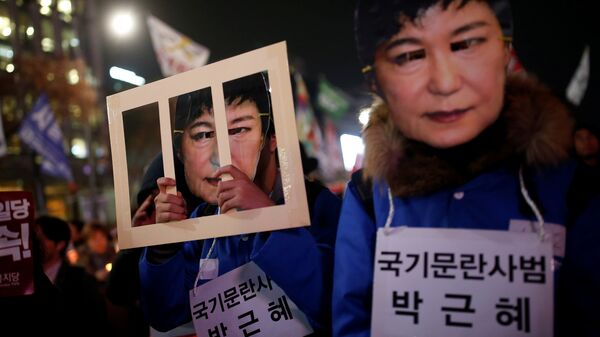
454,142
299,260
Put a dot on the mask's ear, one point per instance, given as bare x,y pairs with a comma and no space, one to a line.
272,142
369,73
509,52
373,87
371,78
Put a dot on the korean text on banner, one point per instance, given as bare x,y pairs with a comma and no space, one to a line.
455,282
16,260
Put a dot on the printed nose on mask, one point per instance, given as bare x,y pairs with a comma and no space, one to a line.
214,159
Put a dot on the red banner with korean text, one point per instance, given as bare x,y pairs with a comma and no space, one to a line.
16,259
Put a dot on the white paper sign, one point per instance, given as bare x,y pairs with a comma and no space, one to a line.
557,232
246,302
455,282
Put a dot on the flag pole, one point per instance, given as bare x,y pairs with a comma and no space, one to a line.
38,181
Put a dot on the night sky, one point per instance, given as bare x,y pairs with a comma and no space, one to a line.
319,33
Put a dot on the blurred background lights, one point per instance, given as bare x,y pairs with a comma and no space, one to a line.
6,52
126,76
47,44
352,147
5,26
122,23
73,76
64,6
79,148
45,10
363,117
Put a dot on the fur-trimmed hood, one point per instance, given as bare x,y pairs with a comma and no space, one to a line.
534,128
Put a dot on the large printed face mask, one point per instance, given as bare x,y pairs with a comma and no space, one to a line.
443,76
200,153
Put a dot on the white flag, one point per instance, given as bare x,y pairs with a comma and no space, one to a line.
579,83
176,53
2,139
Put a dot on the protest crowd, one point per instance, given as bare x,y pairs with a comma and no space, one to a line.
474,208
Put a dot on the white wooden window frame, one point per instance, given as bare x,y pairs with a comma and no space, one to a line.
294,213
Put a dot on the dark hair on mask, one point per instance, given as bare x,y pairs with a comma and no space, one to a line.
55,229
376,21
252,88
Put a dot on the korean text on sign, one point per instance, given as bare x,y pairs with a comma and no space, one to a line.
245,302
454,282
16,264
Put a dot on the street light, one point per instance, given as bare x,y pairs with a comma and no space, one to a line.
122,23
126,76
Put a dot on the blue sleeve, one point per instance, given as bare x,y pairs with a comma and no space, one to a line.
353,272
300,261
163,292
579,288
164,287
